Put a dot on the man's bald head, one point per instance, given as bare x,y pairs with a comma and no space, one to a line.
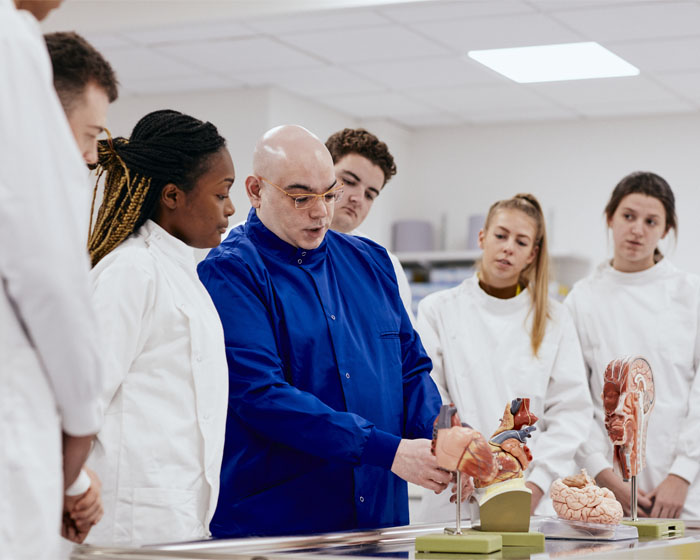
289,149
294,161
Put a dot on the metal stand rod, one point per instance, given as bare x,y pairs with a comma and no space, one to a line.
458,531
633,497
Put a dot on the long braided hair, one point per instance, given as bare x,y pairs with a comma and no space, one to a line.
165,147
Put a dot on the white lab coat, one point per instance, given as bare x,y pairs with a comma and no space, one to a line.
482,359
50,367
159,452
656,314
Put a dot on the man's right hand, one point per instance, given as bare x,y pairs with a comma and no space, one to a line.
623,492
415,463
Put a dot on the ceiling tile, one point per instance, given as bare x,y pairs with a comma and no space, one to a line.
608,90
525,114
107,40
661,56
564,5
186,33
151,64
368,44
313,82
430,119
421,12
498,32
671,18
386,104
685,84
202,82
635,108
430,72
318,21
239,55
466,100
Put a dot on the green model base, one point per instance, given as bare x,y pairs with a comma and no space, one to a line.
508,553
464,543
657,528
529,539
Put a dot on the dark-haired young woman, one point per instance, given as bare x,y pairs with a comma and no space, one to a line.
640,304
159,451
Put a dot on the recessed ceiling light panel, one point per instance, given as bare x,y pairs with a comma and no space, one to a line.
553,63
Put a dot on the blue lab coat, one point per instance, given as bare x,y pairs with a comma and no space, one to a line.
326,375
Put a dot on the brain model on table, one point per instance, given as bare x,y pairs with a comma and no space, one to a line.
578,498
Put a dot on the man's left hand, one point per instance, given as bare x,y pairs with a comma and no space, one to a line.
669,497
467,488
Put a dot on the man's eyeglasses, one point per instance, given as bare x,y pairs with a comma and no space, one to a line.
302,201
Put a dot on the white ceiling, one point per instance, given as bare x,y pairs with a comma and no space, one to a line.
405,62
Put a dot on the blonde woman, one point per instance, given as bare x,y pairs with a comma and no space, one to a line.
499,336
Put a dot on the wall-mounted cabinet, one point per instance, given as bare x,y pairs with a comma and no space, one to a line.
430,271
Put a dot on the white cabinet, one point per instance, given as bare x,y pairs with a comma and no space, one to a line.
429,271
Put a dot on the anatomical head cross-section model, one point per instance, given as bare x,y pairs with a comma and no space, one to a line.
628,398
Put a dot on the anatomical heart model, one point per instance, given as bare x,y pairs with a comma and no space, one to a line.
628,398
458,447
501,501
507,443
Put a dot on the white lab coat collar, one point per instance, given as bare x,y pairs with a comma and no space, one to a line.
154,234
655,272
493,304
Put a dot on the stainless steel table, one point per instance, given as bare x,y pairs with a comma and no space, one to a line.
395,542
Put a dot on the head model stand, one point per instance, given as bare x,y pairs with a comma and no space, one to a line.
628,399
460,449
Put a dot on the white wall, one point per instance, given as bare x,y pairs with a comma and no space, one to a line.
571,167
243,115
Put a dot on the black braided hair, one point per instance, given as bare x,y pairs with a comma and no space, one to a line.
165,146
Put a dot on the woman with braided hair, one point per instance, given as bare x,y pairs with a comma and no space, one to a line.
499,336
158,454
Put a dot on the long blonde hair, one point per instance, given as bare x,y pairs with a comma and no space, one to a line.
535,275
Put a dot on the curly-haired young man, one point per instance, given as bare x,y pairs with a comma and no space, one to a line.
364,164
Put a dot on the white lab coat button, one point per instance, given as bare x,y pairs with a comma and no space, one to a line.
199,357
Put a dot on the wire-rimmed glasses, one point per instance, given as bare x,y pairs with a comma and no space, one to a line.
307,200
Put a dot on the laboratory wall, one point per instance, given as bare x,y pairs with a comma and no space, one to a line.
571,166
446,174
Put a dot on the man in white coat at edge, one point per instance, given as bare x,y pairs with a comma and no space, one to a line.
51,372
364,164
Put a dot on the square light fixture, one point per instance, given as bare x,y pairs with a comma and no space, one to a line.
553,63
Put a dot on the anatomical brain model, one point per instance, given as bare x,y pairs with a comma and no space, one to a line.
578,498
628,398
458,447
